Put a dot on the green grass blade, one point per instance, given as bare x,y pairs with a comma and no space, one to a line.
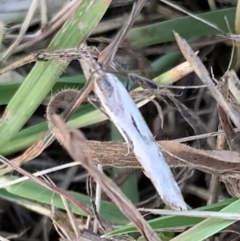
30,190
210,226
44,75
8,90
163,31
85,116
171,222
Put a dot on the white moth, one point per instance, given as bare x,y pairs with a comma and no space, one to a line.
121,109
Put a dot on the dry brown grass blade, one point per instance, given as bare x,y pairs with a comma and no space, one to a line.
203,74
230,83
202,136
56,190
213,162
233,85
25,25
214,186
59,218
53,24
217,162
226,124
107,55
28,59
75,143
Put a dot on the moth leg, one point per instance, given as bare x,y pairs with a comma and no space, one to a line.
94,100
128,85
128,141
133,79
143,82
